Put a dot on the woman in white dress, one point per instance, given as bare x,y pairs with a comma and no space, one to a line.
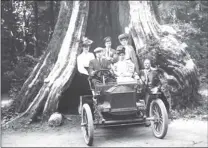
83,61
124,69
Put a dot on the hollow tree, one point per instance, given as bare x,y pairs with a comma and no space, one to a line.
53,74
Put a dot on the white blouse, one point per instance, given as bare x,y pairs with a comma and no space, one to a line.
125,67
83,61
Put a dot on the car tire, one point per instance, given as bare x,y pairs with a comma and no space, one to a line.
87,124
159,126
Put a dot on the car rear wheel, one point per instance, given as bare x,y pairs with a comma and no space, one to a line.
87,124
160,123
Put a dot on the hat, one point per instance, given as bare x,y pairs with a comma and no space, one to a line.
86,41
98,49
123,36
107,39
120,49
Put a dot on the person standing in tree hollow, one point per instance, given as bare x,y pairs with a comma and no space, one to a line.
83,61
129,50
109,53
85,57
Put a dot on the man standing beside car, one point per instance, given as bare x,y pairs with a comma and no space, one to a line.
151,83
150,76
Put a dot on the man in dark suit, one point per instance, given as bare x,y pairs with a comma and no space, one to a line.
151,83
99,63
150,76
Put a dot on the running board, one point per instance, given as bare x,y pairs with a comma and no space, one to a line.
120,124
127,122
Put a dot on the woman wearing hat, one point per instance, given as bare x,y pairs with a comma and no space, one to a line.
85,57
129,50
124,69
83,61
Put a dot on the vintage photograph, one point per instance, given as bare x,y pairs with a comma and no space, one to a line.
104,73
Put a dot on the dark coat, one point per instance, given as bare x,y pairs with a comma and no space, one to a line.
153,78
96,65
112,54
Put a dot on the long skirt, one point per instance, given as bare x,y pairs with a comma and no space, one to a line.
84,87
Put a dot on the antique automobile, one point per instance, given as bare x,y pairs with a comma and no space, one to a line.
116,104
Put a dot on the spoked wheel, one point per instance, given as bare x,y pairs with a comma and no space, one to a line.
87,124
160,124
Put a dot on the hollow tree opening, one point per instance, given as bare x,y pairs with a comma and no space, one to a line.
69,99
106,18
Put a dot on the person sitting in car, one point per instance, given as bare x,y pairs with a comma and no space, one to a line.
97,64
124,69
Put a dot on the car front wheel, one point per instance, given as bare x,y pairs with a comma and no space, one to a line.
87,124
160,123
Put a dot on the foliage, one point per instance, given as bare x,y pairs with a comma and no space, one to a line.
22,36
184,11
189,19
20,72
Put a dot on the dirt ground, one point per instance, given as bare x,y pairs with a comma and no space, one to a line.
183,133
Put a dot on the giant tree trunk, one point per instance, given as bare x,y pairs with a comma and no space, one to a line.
160,43
52,75
54,72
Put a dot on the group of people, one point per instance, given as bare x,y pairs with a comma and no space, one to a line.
122,62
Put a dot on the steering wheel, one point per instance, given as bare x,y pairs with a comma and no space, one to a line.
103,74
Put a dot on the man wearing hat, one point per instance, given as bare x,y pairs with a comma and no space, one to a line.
129,50
83,61
124,69
97,64
109,53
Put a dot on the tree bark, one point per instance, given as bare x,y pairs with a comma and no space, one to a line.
52,15
165,51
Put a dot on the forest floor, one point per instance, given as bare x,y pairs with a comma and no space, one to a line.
181,132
